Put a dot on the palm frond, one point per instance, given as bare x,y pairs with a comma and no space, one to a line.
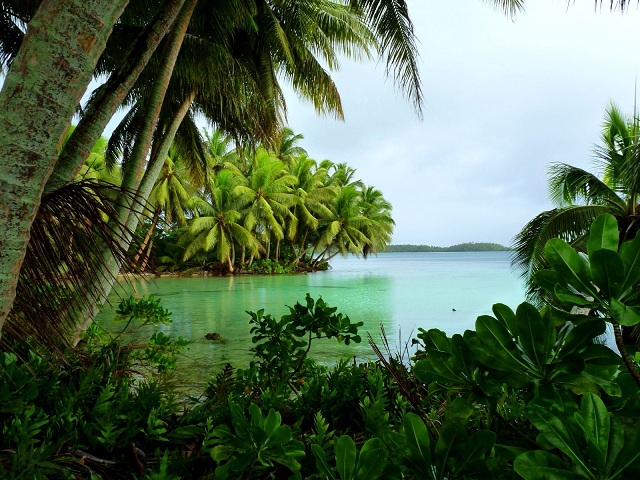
390,21
65,253
569,223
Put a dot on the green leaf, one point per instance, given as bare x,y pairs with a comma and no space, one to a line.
595,422
321,461
451,436
629,455
475,447
419,445
540,465
547,279
506,316
630,254
556,432
581,335
603,234
607,270
499,344
571,267
371,461
536,334
622,314
566,296
345,457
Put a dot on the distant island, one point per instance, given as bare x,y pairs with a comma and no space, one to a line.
462,247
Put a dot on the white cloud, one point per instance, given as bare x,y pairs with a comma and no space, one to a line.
503,100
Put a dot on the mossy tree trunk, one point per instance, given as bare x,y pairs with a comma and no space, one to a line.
40,94
104,105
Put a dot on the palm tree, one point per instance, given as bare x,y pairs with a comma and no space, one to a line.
342,232
582,196
379,229
171,195
267,193
313,196
286,147
218,223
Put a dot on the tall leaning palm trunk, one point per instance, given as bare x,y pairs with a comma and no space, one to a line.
134,176
110,96
48,83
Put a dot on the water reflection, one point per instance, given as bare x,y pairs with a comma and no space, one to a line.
400,291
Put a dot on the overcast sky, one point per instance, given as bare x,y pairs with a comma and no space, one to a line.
504,100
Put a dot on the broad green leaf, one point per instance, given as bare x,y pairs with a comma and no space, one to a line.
506,316
436,339
419,442
321,461
451,436
371,461
595,422
475,447
541,465
566,296
629,456
461,356
547,279
288,461
271,423
221,453
571,267
536,334
581,335
555,431
597,354
623,315
499,343
345,457
603,234
630,254
607,270
460,409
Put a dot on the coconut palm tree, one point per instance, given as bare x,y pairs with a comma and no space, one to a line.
313,196
267,193
171,194
582,196
342,232
217,226
379,229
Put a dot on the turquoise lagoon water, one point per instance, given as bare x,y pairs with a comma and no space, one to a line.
401,291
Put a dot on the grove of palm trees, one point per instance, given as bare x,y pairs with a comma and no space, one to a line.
260,211
201,175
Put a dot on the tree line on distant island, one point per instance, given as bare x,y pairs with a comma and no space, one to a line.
461,247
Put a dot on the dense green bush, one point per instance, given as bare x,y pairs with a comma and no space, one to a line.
527,394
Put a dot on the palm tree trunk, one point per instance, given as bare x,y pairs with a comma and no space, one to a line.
242,257
143,246
617,334
147,255
278,250
36,106
132,175
110,267
136,178
110,96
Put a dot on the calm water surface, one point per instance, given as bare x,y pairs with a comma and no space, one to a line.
401,291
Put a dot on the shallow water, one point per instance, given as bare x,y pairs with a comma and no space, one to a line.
401,291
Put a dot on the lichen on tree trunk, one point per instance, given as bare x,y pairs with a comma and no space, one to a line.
39,96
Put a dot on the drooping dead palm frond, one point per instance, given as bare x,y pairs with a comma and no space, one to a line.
69,236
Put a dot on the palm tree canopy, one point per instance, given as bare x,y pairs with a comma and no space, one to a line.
582,196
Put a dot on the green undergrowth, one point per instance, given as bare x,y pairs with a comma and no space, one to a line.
527,394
